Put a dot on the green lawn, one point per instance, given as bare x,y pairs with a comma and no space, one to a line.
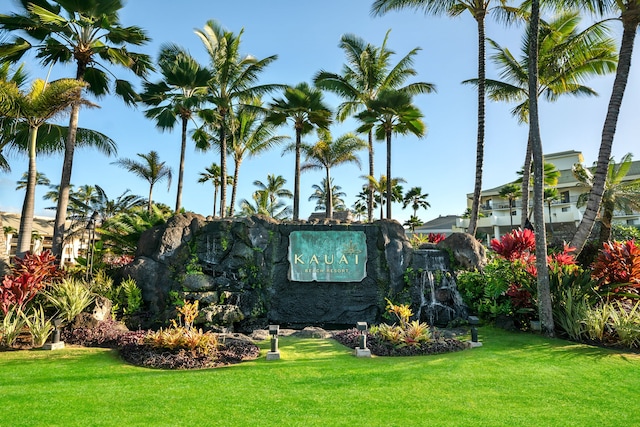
513,380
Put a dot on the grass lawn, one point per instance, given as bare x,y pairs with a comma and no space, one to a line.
512,380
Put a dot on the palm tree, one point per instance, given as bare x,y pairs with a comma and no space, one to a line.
176,97
381,190
122,232
151,169
267,198
366,73
212,173
320,196
413,222
416,199
304,106
629,11
84,33
391,112
328,153
619,195
511,192
34,108
479,10
41,179
551,195
19,77
567,57
234,81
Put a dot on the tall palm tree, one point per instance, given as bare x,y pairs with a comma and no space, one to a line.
151,169
391,112
381,190
510,192
18,76
368,71
320,196
212,173
34,108
417,199
629,15
250,136
84,33
303,105
327,153
567,57
234,81
619,194
479,10
176,97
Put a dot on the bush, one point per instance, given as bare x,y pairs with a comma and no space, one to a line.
69,297
40,327
617,267
12,325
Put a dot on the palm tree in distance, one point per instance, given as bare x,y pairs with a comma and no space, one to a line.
212,173
234,81
41,179
151,169
328,153
417,199
592,53
629,11
381,188
303,105
368,71
320,196
619,194
268,198
511,192
479,10
391,112
33,108
84,33
551,195
176,97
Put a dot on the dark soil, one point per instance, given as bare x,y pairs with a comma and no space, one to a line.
378,347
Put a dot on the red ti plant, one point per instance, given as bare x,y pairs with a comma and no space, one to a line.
29,275
618,263
436,237
515,245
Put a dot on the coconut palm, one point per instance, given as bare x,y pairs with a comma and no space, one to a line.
413,222
34,108
176,97
328,153
320,196
151,169
629,15
303,105
381,188
551,195
511,192
567,57
41,179
619,194
85,33
417,199
479,9
19,77
267,199
367,71
391,112
212,173
234,81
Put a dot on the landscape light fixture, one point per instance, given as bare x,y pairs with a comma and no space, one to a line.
362,350
55,343
274,354
474,322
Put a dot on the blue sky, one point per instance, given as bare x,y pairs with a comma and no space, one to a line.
305,37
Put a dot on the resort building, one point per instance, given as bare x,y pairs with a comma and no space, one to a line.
563,215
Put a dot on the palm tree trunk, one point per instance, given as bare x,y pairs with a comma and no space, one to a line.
296,185
605,226
477,189
234,186
328,197
630,24
526,178
150,203
26,219
223,166
545,308
550,221
370,190
389,174
183,149
215,198
65,182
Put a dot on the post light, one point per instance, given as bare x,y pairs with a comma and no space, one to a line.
362,350
55,343
474,322
91,227
274,354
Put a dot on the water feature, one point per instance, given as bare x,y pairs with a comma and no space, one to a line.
438,299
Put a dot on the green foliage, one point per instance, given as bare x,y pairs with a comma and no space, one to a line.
623,233
39,326
407,333
69,297
12,325
626,323
572,294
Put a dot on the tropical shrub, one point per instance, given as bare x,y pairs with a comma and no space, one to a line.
12,326
39,326
626,324
617,267
69,297
407,333
572,294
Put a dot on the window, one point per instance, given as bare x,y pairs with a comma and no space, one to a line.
564,197
565,209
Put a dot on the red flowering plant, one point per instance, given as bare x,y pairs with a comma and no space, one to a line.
617,268
436,237
29,275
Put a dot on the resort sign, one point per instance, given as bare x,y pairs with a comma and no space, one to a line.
327,256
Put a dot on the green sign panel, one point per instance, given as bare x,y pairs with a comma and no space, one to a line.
327,256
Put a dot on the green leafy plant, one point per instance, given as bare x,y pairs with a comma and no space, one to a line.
13,323
627,324
132,294
69,297
39,326
407,333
